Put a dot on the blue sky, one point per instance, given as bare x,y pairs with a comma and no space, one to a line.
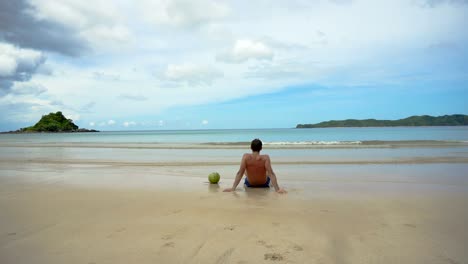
179,64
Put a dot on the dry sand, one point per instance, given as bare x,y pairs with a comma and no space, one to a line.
44,223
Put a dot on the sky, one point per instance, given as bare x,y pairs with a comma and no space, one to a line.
206,64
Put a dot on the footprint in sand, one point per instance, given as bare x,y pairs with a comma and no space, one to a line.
297,247
273,256
167,237
175,233
169,244
230,227
410,225
263,243
11,234
225,256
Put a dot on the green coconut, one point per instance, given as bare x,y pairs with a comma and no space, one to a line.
214,177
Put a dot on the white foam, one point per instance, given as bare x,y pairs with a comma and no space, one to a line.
314,143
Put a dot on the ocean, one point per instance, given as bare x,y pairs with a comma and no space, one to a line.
315,136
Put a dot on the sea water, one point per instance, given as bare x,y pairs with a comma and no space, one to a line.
269,136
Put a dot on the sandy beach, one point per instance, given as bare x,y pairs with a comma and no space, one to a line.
112,205
117,117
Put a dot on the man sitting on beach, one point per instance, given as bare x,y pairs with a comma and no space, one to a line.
257,168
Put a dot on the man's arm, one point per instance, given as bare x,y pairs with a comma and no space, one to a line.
239,175
272,176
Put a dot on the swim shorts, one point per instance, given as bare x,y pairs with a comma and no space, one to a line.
265,185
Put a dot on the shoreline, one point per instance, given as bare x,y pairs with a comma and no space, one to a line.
245,145
402,161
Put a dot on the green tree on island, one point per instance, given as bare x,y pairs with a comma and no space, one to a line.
53,122
425,120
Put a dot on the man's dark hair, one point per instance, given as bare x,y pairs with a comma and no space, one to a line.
256,145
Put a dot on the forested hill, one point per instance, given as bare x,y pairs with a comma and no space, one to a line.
425,120
53,122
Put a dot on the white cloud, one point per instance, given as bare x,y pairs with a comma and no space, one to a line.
92,124
191,74
204,122
72,116
72,13
111,122
129,123
101,22
7,65
161,123
182,13
16,61
112,33
246,49
25,88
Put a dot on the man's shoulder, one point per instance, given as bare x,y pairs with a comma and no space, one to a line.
249,155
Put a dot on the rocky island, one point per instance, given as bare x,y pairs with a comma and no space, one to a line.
424,120
53,123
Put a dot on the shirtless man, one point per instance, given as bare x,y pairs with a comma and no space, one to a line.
257,168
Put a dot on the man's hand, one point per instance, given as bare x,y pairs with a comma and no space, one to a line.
281,190
228,190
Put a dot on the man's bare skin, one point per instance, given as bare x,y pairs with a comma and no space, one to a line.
257,168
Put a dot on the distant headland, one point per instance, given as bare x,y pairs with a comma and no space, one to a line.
424,120
52,123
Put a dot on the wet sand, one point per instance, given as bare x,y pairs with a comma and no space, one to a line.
84,205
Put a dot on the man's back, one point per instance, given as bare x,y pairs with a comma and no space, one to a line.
255,166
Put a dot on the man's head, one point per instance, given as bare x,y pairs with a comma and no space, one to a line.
256,145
